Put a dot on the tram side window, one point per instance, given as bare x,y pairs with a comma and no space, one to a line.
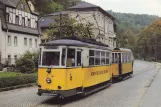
39,60
97,58
51,58
78,58
63,57
113,56
116,58
128,58
71,58
91,57
103,57
107,58
123,57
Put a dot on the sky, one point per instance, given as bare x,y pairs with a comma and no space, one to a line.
151,7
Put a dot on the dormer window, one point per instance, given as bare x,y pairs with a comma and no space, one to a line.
7,17
36,24
23,21
23,6
29,23
17,20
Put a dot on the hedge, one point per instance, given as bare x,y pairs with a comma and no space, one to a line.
18,80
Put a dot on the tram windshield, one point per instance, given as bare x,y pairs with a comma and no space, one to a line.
51,58
66,58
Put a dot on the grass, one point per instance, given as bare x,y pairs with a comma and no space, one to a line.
8,74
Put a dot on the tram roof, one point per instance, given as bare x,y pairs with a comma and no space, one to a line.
70,42
122,49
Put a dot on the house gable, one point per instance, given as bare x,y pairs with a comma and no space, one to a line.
23,5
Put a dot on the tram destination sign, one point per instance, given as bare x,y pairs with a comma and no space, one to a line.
99,72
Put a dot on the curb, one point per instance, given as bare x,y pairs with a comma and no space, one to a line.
17,87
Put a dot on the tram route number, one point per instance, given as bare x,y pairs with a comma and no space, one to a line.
99,72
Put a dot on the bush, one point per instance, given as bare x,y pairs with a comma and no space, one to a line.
9,74
17,80
27,62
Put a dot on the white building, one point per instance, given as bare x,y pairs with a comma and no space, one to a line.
104,24
84,12
18,30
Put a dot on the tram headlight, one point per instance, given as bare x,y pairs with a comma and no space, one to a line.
48,80
48,70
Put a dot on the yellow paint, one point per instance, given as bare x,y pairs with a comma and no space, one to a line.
127,67
73,78
58,77
115,69
96,79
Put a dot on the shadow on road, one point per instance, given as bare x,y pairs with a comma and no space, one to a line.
54,101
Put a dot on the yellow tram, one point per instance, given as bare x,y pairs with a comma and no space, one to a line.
122,63
70,67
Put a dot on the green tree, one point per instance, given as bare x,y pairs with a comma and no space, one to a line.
148,42
68,27
50,6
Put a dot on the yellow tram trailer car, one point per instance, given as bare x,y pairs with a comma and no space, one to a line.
71,67
122,63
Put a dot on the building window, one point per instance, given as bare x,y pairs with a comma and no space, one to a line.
29,23
0,57
30,42
9,40
15,57
9,59
36,24
17,20
23,21
36,43
7,17
25,41
23,6
42,41
15,41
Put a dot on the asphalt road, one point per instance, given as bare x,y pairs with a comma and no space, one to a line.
142,90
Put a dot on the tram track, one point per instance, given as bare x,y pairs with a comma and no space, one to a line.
144,70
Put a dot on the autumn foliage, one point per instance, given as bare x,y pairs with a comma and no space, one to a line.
149,42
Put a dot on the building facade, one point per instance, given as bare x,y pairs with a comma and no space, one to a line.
104,24
18,30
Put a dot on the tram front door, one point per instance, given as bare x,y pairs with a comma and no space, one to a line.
119,63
